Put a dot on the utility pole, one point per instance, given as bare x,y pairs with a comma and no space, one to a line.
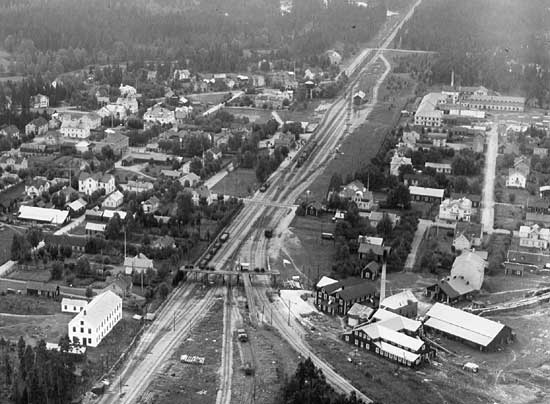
289,312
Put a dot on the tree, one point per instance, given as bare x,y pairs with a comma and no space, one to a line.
335,182
164,290
399,197
34,236
113,228
20,248
385,226
82,267
89,292
57,270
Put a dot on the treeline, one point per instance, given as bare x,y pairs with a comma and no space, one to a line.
37,375
56,36
475,40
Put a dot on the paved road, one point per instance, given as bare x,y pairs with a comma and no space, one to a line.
488,202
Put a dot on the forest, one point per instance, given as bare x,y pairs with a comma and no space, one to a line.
56,36
476,40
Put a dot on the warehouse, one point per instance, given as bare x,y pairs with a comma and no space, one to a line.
43,215
478,332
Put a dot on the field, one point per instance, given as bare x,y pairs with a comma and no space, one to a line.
179,382
6,239
508,217
364,143
239,183
309,255
256,115
23,304
31,275
208,98
34,327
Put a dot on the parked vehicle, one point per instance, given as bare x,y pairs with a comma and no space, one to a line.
472,367
268,233
224,237
242,335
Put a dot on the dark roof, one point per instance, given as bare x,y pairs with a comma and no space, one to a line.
524,257
472,197
40,121
448,289
468,229
373,267
337,285
50,287
359,290
364,248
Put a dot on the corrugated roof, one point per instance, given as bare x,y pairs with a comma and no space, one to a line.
53,216
378,331
422,191
462,324
394,350
96,226
395,321
97,310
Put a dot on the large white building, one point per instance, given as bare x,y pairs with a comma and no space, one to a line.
534,237
96,319
89,183
455,210
516,179
79,124
427,113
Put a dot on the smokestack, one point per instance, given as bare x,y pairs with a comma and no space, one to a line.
452,78
383,283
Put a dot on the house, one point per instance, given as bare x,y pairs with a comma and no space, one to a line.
339,215
376,217
464,281
10,131
151,75
201,193
182,75
280,139
78,125
337,298
36,187
359,97
127,91
138,264
150,205
540,151
478,332
467,236
437,139
398,161
77,207
15,162
356,192
443,168
403,303
424,194
272,98
475,199
121,285
159,115
534,237
94,229
164,242
37,127
358,314
409,139
334,57
89,183
519,261
72,305
523,165
138,186
42,289
515,179
214,153
190,180
96,320
314,208
455,210
174,174
392,337
113,201
372,245
371,270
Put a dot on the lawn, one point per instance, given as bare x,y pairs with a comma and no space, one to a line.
508,217
239,183
31,274
208,98
6,239
33,328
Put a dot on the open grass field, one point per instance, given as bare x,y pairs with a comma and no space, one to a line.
239,183
31,275
508,217
33,328
23,304
208,98
179,382
256,115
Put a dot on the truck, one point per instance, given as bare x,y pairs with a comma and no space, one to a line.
248,369
242,335
268,233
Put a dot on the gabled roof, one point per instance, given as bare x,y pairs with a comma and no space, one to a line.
423,191
395,321
373,267
360,310
358,290
324,281
96,311
465,325
139,261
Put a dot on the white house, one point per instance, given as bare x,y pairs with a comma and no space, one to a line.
455,210
36,187
72,305
398,161
190,180
534,237
96,320
113,201
40,101
89,183
515,179
79,124
159,115
138,264
444,168
127,91
150,205
356,192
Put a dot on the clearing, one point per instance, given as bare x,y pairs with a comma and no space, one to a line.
239,183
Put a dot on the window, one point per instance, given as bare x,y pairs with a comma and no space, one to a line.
89,340
65,307
82,330
74,329
89,330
